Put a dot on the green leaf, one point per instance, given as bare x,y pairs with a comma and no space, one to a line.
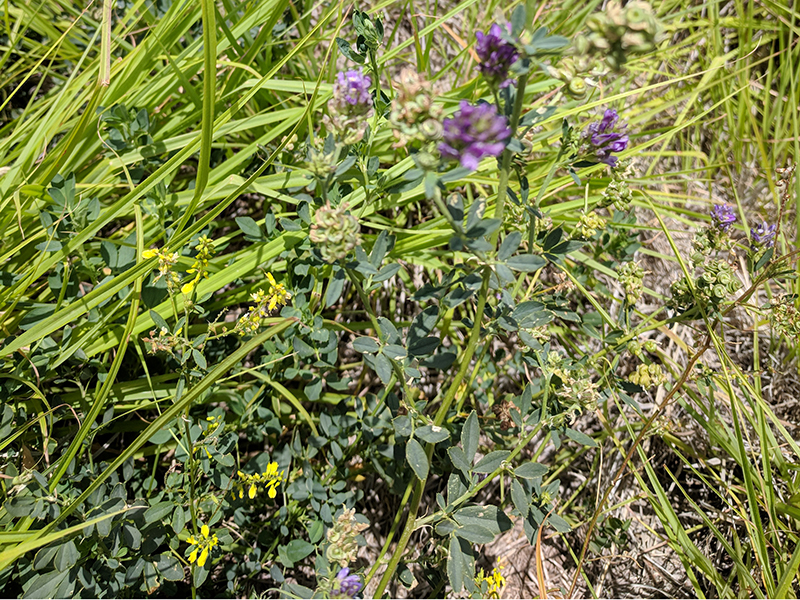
445,527
335,288
417,458
365,345
379,249
158,511
297,550
423,346
520,498
491,461
432,434
386,272
169,567
455,487
470,436
249,227
66,556
178,520
531,314
581,438
383,367
531,470
402,425
477,534
559,524
490,517
457,565
46,584
395,352
158,320
459,459
527,263
509,245
199,359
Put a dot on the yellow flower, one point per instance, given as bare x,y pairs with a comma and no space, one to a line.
271,479
496,582
188,287
202,545
203,557
149,253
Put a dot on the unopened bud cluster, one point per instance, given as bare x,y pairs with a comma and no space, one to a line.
416,121
631,276
635,347
577,389
717,282
648,376
335,231
619,32
575,72
342,538
784,317
588,225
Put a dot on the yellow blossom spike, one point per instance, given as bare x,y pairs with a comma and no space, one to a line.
149,253
272,493
203,557
204,530
193,556
191,541
252,491
188,287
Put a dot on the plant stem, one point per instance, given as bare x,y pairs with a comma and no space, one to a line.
505,165
469,351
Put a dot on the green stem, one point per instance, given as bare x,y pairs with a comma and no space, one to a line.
469,351
191,463
389,537
505,166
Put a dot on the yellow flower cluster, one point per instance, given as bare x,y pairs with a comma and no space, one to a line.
213,423
202,545
166,261
266,302
205,250
496,582
270,478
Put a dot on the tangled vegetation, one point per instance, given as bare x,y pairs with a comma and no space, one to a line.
304,299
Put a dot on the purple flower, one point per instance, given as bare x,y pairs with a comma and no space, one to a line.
352,87
473,132
348,585
602,139
722,216
350,106
763,236
496,55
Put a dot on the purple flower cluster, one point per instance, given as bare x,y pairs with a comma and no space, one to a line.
352,87
723,216
763,236
474,132
606,136
350,106
348,585
496,55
